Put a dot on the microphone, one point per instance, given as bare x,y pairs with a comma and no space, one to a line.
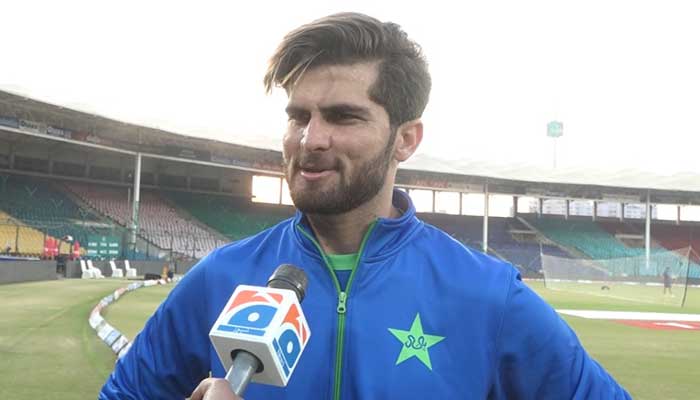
262,331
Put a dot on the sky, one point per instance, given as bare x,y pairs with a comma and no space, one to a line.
622,76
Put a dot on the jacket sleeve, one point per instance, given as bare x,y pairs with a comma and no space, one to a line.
170,356
540,357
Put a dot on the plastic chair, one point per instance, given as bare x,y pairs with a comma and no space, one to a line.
116,272
130,272
86,272
96,271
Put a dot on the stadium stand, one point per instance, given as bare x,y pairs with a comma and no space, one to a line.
600,243
506,239
621,228
585,236
191,223
235,218
20,238
37,204
675,237
159,222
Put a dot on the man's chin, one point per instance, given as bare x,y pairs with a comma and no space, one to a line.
318,204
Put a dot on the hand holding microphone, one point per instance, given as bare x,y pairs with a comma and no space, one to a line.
214,389
260,334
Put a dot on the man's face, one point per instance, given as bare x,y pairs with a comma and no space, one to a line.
338,146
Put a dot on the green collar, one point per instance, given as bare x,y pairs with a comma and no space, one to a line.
342,262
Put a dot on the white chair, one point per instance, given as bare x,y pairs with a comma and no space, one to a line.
130,272
96,271
86,273
116,272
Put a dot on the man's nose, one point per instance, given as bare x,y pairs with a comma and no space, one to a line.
316,135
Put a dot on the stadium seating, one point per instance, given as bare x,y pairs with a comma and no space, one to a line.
159,222
524,254
235,218
20,237
597,241
615,227
38,204
585,236
675,237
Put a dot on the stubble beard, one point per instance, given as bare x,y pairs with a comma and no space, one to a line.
350,193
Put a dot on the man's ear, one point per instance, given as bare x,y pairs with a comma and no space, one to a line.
408,137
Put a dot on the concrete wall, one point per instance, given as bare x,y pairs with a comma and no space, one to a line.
27,271
142,267
181,267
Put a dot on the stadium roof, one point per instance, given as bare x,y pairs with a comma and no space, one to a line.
518,174
588,176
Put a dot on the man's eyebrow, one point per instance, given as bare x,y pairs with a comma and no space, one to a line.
346,109
292,109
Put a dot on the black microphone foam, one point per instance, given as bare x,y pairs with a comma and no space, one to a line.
287,276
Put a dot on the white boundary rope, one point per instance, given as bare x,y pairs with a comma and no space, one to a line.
112,337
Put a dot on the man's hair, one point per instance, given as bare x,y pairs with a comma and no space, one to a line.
403,81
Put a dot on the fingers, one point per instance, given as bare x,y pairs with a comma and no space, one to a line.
201,389
213,389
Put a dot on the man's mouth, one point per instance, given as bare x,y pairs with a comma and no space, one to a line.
315,173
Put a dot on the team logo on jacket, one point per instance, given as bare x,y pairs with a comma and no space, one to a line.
415,343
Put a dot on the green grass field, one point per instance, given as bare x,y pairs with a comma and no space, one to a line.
620,291
48,350
651,364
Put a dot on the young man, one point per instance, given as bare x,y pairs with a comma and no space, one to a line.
398,309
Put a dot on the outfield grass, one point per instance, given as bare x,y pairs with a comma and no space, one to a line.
129,313
47,348
49,351
604,300
630,295
650,364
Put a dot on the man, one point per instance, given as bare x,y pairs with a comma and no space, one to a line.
667,281
398,309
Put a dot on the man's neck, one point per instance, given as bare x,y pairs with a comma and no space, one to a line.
343,233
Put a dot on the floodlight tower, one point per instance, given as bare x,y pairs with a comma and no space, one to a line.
555,130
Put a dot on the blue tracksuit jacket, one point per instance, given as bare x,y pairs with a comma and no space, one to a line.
421,317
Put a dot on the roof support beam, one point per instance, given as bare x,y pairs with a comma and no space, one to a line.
647,234
486,219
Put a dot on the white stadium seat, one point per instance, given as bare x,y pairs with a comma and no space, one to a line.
130,272
86,272
116,272
97,273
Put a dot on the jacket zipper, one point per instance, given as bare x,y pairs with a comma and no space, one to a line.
341,308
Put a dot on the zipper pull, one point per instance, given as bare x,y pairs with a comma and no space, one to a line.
342,297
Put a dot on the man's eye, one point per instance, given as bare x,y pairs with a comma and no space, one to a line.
298,119
342,118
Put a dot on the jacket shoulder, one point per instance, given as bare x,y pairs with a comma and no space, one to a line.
463,259
255,242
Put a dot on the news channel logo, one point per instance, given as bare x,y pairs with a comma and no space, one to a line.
255,312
